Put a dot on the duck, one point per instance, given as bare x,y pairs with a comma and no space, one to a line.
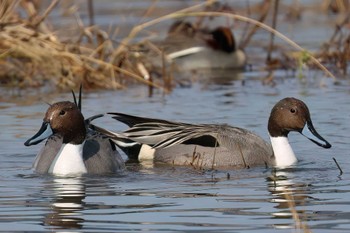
71,147
212,146
192,49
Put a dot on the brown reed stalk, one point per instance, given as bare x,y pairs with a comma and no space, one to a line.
91,11
299,223
274,22
265,6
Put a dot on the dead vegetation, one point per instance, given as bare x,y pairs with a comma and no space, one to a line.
34,55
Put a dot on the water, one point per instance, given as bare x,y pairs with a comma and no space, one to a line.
166,199
312,196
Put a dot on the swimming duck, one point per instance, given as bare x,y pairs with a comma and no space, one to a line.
72,148
191,49
216,145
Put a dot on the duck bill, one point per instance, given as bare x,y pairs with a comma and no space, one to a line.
44,132
310,132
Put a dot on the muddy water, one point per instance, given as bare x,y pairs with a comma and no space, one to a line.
312,195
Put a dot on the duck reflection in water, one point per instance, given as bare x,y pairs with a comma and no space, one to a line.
68,204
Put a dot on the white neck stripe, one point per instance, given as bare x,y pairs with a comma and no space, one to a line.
283,152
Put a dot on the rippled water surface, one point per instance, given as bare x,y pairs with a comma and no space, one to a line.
312,196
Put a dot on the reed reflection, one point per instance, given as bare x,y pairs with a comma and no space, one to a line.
290,197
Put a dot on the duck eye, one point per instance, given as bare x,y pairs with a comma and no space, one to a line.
62,112
292,110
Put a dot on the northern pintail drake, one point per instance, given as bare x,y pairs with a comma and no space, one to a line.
192,49
217,145
72,148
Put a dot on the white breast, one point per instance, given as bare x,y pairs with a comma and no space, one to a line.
69,160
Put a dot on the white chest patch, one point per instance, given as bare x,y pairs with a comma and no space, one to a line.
69,160
284,154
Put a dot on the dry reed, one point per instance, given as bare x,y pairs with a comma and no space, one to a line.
32,55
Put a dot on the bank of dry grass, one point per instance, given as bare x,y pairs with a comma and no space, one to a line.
31,55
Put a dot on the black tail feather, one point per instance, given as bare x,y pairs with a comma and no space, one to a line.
78,104
130,120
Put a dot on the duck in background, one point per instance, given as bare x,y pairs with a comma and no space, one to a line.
71,148
214,49
190,48
216,145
